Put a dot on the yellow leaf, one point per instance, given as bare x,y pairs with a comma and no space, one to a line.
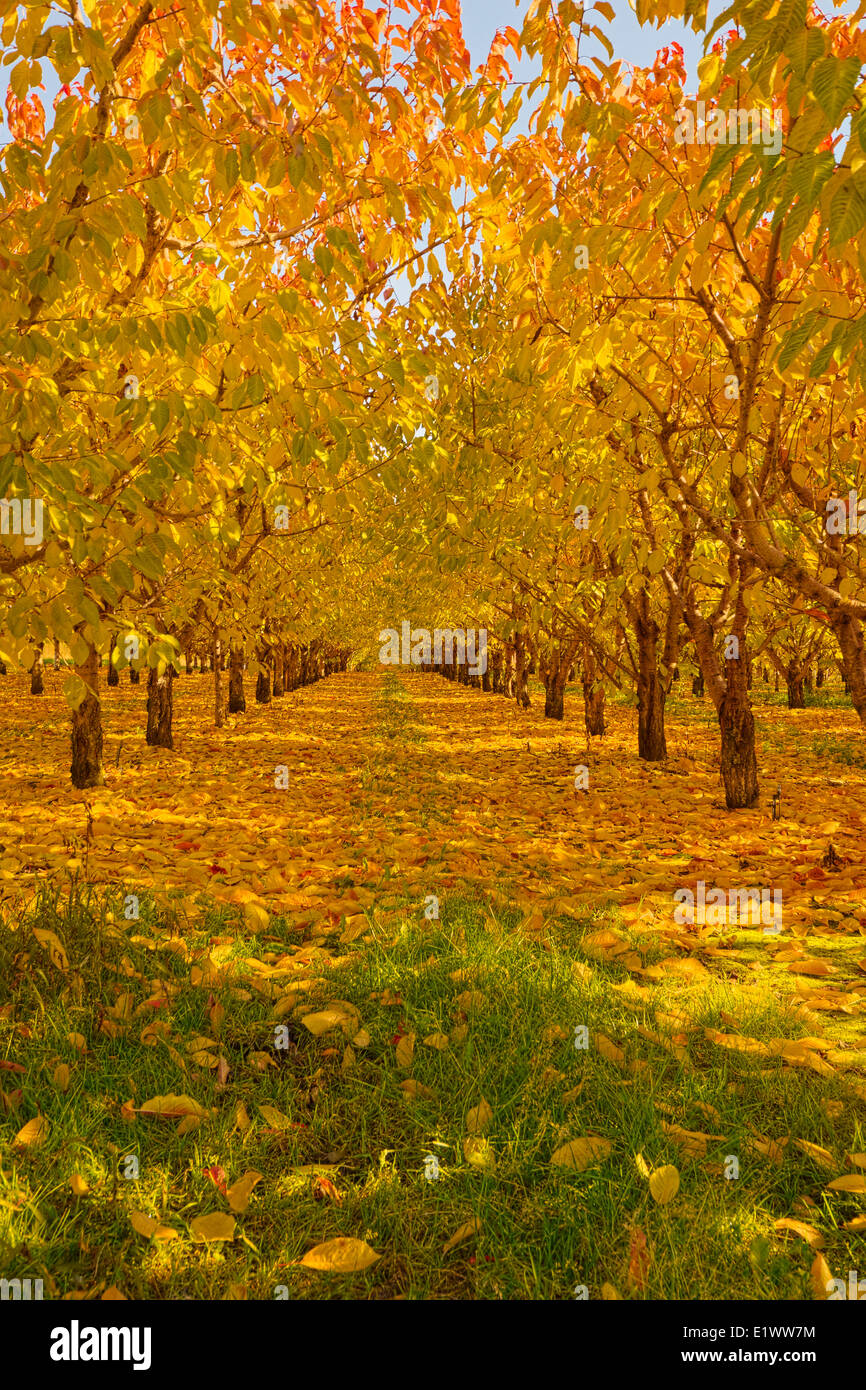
238,1194
609,1293
469,1228
275,1118
664,1184
609,1049
78,1184
851,1182
172,1107
242,1119
471,999
801,1228
345,1255
34,1133
60,1076
477,1151
820,1156
56,949
479,1117
406,1051
820,1276
327,1019
437,1040
77,1040
218,1225
113,1295
581,1153
255,917
414,1088
148,1226
361,1039
188,1124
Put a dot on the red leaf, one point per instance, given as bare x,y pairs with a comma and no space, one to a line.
218,1177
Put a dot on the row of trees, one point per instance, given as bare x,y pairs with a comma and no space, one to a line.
612,423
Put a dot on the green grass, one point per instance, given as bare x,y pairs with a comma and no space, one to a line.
831,748
544,1230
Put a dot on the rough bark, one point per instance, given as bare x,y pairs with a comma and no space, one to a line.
651,695
113,676
237,703
279,685
37,683
87,769
521,672
160,707
217,683
593,696
794,681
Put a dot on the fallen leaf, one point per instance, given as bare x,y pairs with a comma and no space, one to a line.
149,1227
806,1232
218,1225
56,950
405,1051
469,1228
34,1133
344,1255
581,1153
851,1182
477,1152
664,1184
170,1107
479,1117
820,1277
239,1193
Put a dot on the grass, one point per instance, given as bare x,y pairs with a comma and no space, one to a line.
543,1230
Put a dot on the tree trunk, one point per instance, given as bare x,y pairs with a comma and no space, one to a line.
794,682
159,707
237,703
819,677
739,763
87,769
698,684
849,635
134,676
217,683
593,697
651,743
37,684
279,685
554,674
113,676
263,686
521,672
56,655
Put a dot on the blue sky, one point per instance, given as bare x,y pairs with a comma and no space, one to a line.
631,42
